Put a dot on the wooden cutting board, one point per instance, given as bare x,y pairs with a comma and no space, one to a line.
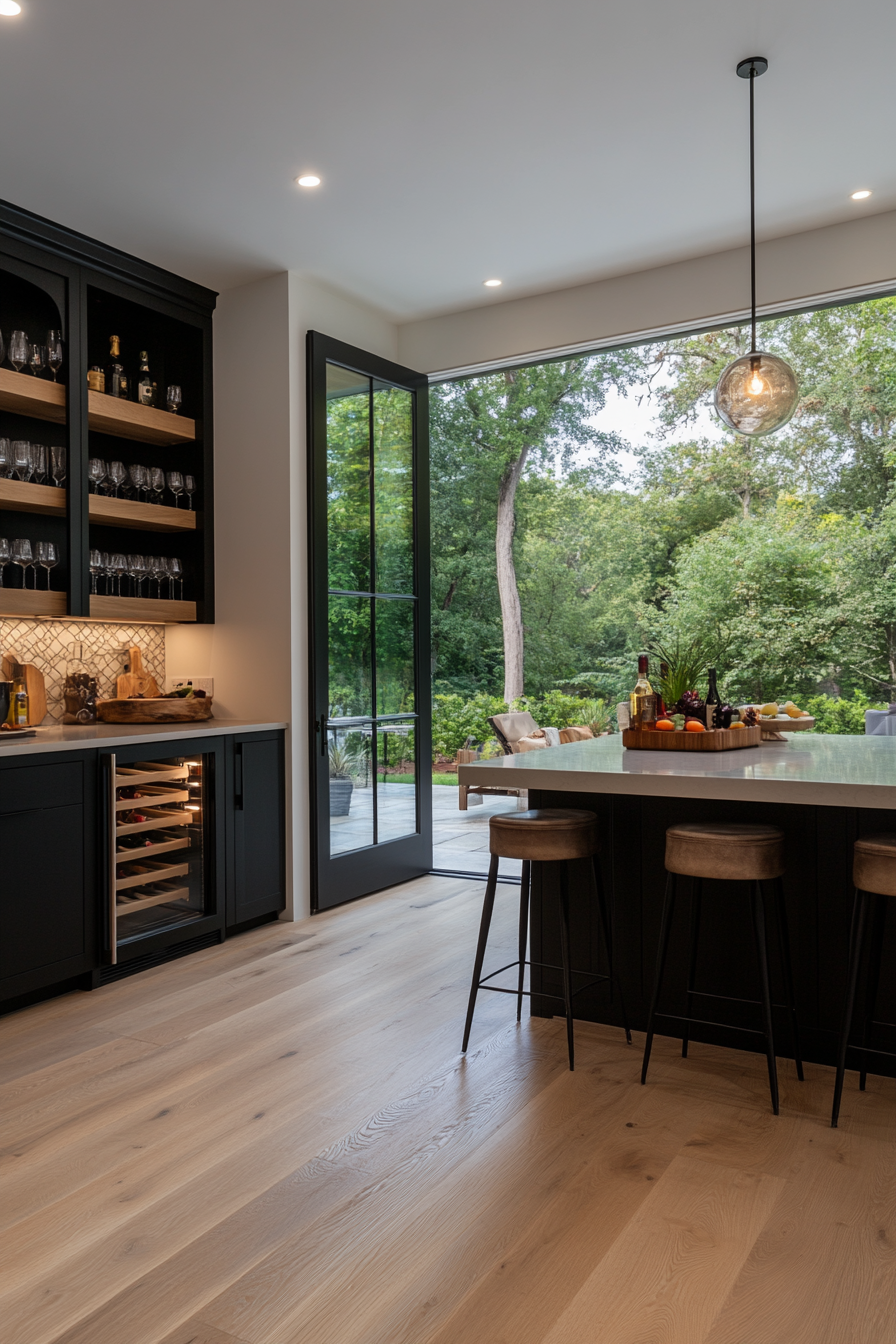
34,685
716,739
135,683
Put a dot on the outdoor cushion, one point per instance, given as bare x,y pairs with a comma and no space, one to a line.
531,743
512,727
580,734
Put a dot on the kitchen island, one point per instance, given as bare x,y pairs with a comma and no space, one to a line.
822,791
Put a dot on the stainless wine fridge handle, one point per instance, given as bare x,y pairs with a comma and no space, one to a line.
109,763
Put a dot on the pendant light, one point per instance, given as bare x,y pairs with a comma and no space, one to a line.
757,393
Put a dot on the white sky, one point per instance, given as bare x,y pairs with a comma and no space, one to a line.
637,425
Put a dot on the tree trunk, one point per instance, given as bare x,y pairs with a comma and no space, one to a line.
511,611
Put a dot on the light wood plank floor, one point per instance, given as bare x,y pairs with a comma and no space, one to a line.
277,1142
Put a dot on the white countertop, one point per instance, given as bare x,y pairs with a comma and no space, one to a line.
108,735
815,768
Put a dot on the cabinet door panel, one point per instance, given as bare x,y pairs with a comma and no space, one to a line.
26,787
42,895
258,887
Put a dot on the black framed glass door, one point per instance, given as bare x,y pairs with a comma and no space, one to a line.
370,698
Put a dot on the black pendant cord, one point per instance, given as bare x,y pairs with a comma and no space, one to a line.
752,217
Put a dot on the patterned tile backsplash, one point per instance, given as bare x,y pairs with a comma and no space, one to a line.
46,644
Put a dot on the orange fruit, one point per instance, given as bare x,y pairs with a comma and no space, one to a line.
695,726
665,725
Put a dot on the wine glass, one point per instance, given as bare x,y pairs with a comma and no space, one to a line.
38,463
21,459
174,398
119,565
96,471
189,489
107,571
5,457
5,556
57,465
46,556
54,352
19,350
176,486
21,555
137,572
96,568
117,475
2,348
176,572
138,478
38,359
157,482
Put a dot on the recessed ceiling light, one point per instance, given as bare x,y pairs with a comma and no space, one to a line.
492,284
9,9
308,180
860,195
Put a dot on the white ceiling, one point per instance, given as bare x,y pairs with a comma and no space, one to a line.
542,141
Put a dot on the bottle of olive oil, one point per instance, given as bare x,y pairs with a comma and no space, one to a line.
145,385
18,709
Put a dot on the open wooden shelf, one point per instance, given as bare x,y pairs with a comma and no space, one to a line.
27,602
143,424
27,395
110,512
140,609
176,893
26,497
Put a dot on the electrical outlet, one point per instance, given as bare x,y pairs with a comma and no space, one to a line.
206,684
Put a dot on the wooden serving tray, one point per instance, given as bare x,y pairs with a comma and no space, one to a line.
174,710
715,739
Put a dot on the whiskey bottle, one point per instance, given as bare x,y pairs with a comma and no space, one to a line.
116,378
145,385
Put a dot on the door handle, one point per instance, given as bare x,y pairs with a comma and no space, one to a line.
238,778
111,822
322,729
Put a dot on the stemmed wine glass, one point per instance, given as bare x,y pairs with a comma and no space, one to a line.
189,489
117,475
54,352
157,482
176,573
118,564
19,350
46,556
38,463
108,572
5,556
138,478
38,359
174,398
176,486
5,457
57,465
96,568
21,555
2,348
21,459
96,472
136,572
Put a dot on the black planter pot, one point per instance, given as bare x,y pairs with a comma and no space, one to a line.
340,797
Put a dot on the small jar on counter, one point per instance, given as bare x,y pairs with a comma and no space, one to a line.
79,690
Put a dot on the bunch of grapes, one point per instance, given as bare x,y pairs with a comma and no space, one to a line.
691,705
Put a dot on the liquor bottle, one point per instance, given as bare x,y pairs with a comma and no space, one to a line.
642,699
116,378
144,381
661,710
18,709
96,379
713,702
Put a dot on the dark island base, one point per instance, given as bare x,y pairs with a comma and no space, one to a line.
818,893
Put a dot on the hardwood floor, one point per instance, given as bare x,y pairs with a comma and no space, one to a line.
277,1142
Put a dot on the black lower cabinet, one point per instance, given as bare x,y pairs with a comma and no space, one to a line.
48,923
256,868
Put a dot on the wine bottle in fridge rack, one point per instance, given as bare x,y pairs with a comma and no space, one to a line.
144,381
642,698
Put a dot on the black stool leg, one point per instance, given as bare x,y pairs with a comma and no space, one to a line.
665,930
762,958
488,906
696,900
608,938
856,941
524,935
878,921
784,939
564,957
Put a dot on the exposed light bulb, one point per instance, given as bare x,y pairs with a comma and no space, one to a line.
492,284
308,180
9,9
860,195
756,385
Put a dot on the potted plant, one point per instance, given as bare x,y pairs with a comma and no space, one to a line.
344,759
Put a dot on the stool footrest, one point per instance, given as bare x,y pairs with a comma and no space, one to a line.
703,1022
542,993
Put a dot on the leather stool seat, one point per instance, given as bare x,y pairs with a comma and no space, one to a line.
729,851
544,835
874,864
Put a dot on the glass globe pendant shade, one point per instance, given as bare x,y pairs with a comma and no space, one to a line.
757,394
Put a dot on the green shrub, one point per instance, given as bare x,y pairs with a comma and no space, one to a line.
835,715
455,719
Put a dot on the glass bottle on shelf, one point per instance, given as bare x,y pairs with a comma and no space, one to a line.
79,690
18,705
116,378
96,379
145,385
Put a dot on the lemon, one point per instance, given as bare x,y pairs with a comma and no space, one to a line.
770,711
793,711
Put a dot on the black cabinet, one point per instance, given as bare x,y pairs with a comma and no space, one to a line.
256,884
48,926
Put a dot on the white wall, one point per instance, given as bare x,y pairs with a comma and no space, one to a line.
790,271
257,650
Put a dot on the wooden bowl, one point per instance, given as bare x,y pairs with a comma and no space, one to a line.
192,710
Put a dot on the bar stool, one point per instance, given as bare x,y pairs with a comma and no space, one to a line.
729,852
541,835
874,878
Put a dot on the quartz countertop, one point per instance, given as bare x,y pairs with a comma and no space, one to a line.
814,768
108,735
